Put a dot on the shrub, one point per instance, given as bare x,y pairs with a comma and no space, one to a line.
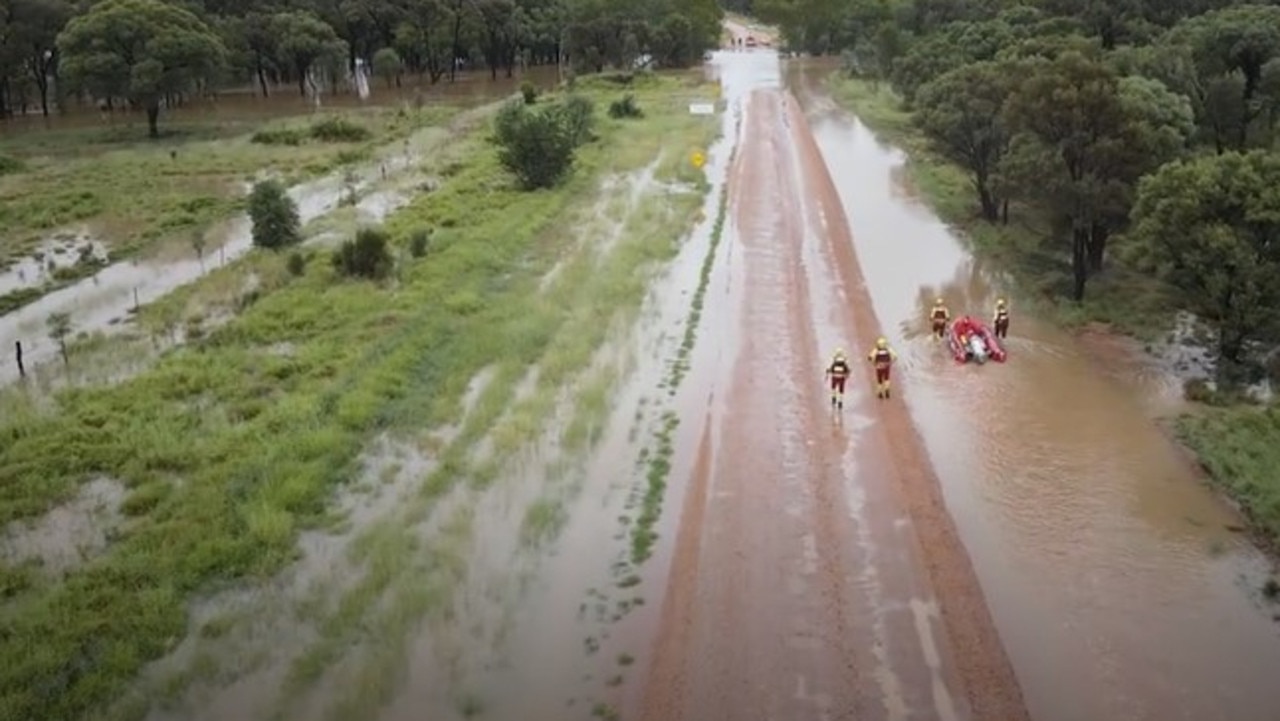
297,264
625,108
418,242
339,130
577,114
388,65
279,136
274,215
367,256
529,92
534,145
10,165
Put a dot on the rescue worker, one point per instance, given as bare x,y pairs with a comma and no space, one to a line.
838,373
940,316
1001,319
882,358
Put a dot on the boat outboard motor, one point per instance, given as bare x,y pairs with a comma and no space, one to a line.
978,348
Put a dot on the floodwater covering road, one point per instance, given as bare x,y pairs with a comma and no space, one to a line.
1113,573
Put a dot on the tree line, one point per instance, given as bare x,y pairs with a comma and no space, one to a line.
145,54
1145,129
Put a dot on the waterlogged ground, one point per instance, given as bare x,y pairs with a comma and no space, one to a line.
440,519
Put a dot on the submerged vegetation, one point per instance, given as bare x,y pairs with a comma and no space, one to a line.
1119,160
230,446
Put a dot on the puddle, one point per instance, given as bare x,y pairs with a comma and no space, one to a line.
70,534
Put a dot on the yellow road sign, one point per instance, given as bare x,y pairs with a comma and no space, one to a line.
698,160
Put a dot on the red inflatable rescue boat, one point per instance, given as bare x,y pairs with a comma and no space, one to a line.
971,340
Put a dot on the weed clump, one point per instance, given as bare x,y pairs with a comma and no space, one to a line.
625,107
339,130
297,264
368,255
275,216
279,136
419,242
10,165
529,93
578,115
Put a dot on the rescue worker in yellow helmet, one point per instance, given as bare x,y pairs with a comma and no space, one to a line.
939,317
882,358
1001,319
838,373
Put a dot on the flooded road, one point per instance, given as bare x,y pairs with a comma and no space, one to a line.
1117,586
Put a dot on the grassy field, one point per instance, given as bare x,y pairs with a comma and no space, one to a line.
1119,297
229,447
1238,445
132,193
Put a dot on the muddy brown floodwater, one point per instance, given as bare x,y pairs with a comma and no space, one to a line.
1118,587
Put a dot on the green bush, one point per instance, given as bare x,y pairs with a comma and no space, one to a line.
625,108
367,256
579,119
339,130
418,242
274,215
280,136
529,93
536,146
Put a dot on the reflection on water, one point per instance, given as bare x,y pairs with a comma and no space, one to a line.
1116,585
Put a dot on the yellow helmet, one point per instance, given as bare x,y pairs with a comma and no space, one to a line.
1000,301
839,354
937,301
881,343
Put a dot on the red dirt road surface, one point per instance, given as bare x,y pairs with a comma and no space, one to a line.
817,574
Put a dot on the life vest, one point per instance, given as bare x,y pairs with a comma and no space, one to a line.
839,369
939,313
1002,314
882,358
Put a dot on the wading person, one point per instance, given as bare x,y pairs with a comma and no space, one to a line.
939,316
838,373
882,358
1001,319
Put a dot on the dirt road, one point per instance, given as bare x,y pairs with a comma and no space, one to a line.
816,571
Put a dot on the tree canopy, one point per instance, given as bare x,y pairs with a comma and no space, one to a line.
149,55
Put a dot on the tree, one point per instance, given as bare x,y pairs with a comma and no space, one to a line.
143,50
274,215
1071,123
1211,228
387,63
37,24
962,112
303,39
534,144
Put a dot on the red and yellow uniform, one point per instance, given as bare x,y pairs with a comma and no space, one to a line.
838,373
1001,319
939,316
882,358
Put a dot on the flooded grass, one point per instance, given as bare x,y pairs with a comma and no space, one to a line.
236,448
1237,446
1130,302
133,194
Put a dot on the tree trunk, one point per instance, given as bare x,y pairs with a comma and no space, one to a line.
1097,247
990,208
302,83
153,119
262,76
1004,212
1079,262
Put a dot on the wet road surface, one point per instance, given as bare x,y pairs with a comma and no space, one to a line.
815,572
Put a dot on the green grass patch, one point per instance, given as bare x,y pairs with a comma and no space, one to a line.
1237,446
1130,302
133,192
